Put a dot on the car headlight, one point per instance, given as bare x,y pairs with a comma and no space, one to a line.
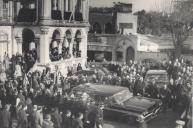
145,113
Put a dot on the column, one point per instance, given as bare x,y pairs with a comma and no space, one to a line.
60,45
71,47
18,6
61,7
44,45
86,10
46,9
55,6
66,5
19,45
84,51
11,11
37,41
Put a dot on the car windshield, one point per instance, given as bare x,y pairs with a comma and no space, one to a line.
122,96
157,77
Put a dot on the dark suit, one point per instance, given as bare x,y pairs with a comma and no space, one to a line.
56,118
4,119
22,119
66,122
77,123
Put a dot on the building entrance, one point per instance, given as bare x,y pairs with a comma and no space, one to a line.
130,54
28,37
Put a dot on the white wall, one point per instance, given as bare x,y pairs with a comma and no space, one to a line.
5,41
127,18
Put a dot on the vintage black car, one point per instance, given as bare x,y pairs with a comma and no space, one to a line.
120,103
160,76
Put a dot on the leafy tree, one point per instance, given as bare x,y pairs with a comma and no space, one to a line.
149,22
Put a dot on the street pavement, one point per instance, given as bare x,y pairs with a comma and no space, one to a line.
163,120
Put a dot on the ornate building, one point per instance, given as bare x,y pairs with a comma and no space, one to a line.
55,29
113,33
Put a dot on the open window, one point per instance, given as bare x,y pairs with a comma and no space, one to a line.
56,13
27,12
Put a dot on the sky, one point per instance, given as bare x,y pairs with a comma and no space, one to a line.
137,4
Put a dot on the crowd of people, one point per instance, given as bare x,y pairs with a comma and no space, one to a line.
43,99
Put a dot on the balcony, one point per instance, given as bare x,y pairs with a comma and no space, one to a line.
63,65
26,15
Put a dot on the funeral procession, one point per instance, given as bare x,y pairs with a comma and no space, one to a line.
96,63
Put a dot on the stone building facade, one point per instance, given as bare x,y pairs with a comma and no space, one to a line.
56,29
113,36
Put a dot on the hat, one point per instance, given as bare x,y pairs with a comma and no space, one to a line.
47,116
7,106
35,107
32,45
39,107
54,44
180,122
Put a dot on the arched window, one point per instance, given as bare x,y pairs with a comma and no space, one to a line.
29,48
76,45
28,36
56,13
66,51
54,47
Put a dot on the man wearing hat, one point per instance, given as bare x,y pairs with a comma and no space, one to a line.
99,115
36,117
56,118
5,117
47,123
22,116
31,56
54,53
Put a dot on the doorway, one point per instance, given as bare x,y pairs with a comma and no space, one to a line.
130,54
28,37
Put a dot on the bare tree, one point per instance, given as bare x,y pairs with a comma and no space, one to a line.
179,22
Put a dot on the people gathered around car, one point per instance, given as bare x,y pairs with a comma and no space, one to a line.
44,99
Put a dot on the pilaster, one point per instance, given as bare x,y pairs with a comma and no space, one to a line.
11,11
71,47
37,41
46,9
60,45
19,45
44,45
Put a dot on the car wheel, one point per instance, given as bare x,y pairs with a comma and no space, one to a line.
131,120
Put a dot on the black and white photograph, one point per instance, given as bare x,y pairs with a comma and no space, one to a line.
96,63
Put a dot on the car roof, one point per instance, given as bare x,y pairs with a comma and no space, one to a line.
99,89
156,72
84,72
